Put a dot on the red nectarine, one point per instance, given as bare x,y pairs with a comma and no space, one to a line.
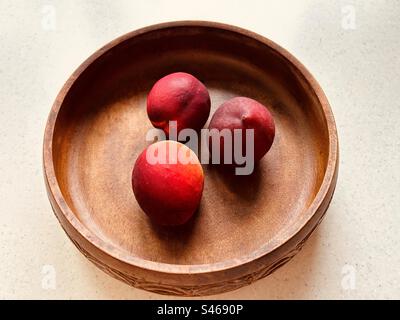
167,181
178,97
243,113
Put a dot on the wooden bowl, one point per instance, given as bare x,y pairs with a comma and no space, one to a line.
246,227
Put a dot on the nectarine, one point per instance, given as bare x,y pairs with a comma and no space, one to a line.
243,113
178,97
167,181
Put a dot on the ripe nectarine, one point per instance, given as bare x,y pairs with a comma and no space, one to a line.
167,181
243,113
178,97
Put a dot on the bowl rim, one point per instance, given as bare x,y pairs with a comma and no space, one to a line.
264,250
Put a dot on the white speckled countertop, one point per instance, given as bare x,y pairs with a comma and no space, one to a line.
351,47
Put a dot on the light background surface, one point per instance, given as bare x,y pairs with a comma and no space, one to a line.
359,70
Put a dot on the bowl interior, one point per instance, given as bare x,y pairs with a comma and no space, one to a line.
101,128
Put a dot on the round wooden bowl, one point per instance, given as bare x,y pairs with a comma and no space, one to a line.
247,226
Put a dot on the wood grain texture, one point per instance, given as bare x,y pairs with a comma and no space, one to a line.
246,227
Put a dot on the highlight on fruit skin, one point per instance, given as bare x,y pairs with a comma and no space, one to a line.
179,97
242,113
167,181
